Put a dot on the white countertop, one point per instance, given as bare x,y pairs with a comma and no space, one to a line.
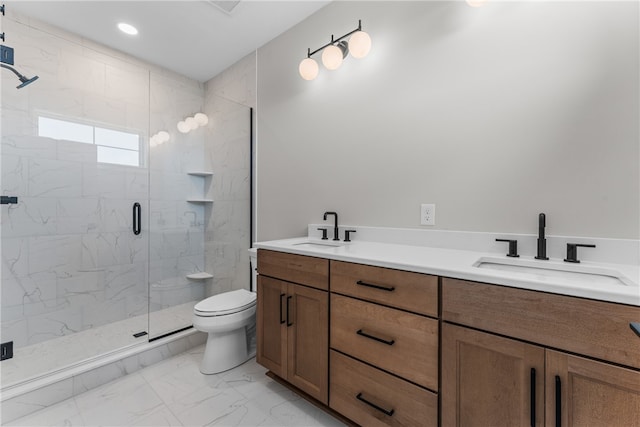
459,264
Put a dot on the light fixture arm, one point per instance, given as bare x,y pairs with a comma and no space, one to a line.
334,41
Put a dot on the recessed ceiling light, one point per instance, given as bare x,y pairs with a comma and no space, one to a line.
128,29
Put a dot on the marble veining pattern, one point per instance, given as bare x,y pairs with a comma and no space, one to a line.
174,393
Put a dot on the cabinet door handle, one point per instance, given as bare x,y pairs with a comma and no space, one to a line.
136,218
373,337
558,402
635,327
533,397
388,412
289,323
371,285
281,319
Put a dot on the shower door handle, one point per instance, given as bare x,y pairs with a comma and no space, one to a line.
136,218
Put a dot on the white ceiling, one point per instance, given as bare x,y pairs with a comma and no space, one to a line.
192,37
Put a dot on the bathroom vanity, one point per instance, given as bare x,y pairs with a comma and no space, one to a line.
382,342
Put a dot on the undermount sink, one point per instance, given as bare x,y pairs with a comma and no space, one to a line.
548,270
319,245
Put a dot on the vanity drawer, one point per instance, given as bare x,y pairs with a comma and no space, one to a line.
402,289
402,343
356,387
301,269
594,328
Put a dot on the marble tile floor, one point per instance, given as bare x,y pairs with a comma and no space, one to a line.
39,359
174,393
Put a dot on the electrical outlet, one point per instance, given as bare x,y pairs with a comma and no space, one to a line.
428,214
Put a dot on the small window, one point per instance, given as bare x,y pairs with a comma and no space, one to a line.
69,131
113,146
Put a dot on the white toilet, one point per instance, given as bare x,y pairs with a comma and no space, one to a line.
226,318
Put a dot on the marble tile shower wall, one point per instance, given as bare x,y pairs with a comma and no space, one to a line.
69,259
177,227
227,233
228,97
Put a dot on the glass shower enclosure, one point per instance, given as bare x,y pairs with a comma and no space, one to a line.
115,223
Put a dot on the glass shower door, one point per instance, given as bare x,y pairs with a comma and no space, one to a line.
74,156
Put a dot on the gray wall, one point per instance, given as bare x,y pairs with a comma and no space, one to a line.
494,114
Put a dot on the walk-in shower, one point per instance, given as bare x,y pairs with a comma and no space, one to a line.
109,240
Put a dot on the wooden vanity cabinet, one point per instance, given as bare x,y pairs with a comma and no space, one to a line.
585,392
489,380
293,320
384,345
485,376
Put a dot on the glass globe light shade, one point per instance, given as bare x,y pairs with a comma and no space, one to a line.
476,3
201,119
332,57
191,122
162,136
153,142
360,44
183,127
308,69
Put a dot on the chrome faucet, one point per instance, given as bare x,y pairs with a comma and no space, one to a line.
542,242
335,224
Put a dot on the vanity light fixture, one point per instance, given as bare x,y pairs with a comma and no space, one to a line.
159,138
335,51
201,119
193,123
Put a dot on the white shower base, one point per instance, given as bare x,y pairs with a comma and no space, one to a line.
35,388
43,359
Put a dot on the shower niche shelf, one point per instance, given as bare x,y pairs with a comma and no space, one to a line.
193,200
201,174
199,276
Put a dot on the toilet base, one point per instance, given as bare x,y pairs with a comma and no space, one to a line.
224,351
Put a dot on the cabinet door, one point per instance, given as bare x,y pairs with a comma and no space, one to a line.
489,380
271,327
583,392
308,341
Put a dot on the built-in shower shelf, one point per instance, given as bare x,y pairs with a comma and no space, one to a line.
200,173
200,200
199,276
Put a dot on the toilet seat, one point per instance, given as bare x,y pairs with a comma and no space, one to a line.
225,303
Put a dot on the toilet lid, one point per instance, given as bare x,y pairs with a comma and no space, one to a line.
226,303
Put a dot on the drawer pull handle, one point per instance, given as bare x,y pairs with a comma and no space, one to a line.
281,319
388,412
371,285
289,323
558,402
533,397
373,337
635,327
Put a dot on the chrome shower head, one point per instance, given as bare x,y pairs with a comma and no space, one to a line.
23,80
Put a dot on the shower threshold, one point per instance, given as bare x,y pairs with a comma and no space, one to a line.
55,357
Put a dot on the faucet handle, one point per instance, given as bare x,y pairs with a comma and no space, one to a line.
513,247
346,235
324,233
572,251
